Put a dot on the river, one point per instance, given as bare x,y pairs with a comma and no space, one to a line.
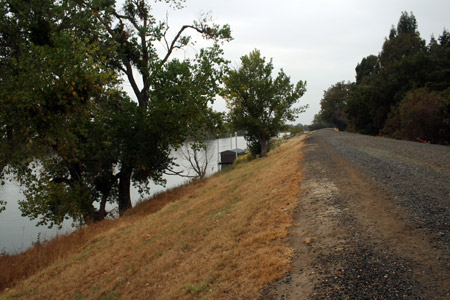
18,233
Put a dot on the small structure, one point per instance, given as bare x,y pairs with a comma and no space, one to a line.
229,156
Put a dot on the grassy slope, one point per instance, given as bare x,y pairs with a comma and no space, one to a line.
221,238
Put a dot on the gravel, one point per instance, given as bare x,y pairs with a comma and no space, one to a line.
363,275
379,210
416,174
417,177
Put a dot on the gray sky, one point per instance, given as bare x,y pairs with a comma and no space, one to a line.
320,41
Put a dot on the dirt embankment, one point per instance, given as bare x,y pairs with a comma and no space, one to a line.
217,238
372,223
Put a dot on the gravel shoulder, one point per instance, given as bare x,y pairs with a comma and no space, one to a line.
373,221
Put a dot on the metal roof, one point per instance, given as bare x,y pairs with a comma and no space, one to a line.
234,151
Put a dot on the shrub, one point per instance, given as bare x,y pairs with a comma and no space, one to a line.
243,158
421,114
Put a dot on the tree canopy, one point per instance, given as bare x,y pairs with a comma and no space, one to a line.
69,134
333,104
401,87
258,103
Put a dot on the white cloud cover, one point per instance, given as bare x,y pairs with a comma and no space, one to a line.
319,41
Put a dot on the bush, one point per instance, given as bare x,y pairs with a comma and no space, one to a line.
421,114
296,130
253,145
243,158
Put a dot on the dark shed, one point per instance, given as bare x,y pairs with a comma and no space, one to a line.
227,157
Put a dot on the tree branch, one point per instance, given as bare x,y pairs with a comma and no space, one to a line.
178,173
130,76
62,180
173,45
132,21
145,58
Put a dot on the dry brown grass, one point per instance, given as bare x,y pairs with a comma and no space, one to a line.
221,238
19,266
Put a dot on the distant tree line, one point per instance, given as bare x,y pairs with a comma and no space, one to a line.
403,92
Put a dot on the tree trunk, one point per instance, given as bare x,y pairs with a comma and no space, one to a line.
263,143
91,215
102,209
124,191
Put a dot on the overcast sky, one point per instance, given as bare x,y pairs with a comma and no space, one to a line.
320,41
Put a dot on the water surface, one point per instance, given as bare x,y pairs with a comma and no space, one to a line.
18,233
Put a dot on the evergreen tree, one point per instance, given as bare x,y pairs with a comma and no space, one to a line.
386,96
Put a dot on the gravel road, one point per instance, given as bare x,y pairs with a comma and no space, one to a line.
373,221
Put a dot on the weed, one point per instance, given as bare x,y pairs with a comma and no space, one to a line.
149,241
79,296
38,240
113,296
197,288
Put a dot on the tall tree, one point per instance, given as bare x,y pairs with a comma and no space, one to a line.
52,85
381,82
137,33
404,41
367,67
81,140
258,103
403,92
334,103
438,70
319,123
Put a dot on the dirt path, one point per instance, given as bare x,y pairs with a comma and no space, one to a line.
365,228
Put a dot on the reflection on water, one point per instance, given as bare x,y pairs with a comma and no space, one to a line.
17,233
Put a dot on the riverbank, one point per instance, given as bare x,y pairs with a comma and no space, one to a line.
18,233
219,238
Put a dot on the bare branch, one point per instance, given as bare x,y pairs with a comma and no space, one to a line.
198,160
122,69
178,173
165,31
130,76
174,45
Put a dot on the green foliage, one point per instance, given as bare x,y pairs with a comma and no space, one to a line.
2,205
385,97
368,66
319,123
296,129
53,82
243,158
421,114
75,139
258,103
253,145
175,92
334,103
